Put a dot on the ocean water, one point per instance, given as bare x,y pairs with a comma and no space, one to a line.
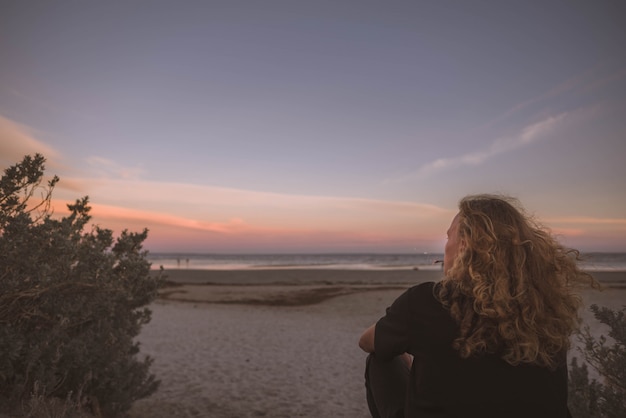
423,261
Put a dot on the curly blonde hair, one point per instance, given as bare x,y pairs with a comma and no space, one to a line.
510,287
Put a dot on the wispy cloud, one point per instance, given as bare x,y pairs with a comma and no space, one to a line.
109,168
527,136
17,140
597,77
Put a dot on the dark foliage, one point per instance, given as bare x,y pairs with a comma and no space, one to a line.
71,302
606,397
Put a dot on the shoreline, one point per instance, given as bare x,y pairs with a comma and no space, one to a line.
326,276
303,287
299,276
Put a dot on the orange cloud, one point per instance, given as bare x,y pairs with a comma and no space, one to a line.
588,221
568,232
314,230
600,234
106,212
217,204
206,218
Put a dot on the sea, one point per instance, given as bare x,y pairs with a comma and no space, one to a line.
423,261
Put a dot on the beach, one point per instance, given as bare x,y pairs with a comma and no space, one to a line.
278,342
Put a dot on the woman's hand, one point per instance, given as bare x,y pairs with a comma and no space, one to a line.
366,342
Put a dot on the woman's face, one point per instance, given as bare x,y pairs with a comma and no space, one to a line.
453,245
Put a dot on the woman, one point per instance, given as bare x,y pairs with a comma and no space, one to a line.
490,339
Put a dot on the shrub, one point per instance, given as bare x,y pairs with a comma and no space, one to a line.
71,302
590,398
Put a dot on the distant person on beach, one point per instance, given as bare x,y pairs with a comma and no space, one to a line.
491,338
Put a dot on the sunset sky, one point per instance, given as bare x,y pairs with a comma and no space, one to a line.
320,126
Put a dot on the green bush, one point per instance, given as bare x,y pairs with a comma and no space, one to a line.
71,302
590,398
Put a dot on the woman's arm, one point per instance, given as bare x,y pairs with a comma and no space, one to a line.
366,342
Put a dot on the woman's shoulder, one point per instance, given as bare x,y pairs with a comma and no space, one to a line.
427,311
425,288
424,293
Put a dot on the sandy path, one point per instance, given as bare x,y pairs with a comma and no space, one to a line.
219,360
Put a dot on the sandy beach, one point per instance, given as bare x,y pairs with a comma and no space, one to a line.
277,343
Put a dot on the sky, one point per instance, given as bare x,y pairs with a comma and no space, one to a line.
320,126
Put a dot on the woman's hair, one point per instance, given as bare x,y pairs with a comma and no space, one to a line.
510,286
